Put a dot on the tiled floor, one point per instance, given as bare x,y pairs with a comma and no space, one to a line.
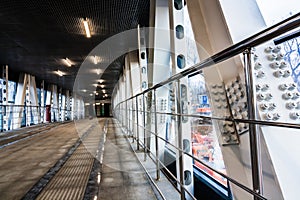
122,175
24,163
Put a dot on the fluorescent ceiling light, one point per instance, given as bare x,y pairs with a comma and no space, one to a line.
59,73
67,62
96,60
98,71
87,29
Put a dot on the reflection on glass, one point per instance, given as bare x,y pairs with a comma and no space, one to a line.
205,145
291,51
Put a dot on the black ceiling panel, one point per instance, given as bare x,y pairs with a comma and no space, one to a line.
35,35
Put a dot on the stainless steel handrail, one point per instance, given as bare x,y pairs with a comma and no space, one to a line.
197,159
243,187
249,121
257,39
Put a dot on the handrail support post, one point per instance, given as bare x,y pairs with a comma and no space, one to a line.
156,138
137,124
253,134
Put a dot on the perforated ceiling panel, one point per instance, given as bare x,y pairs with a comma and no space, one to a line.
36,35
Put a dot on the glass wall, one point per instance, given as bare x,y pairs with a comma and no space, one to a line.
276,11
205,143
291,53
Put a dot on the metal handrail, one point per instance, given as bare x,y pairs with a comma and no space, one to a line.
209,167
243,187
15,121
257,39
249,121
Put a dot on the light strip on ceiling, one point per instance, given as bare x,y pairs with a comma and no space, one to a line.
95,60
87,29
98,71
59,73
67,62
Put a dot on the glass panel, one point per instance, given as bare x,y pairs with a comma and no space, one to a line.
274,12
179,32
291,51
276,78
181,61
205,145
178,4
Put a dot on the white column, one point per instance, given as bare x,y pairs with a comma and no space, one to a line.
72,106
63,106
159,68
217,25
19,101
179,63
33,100
68,105
5,110
48,100
27,100
54,105
42,106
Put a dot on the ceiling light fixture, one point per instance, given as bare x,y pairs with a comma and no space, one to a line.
98,71
86,27
59,73
67,62
95,60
